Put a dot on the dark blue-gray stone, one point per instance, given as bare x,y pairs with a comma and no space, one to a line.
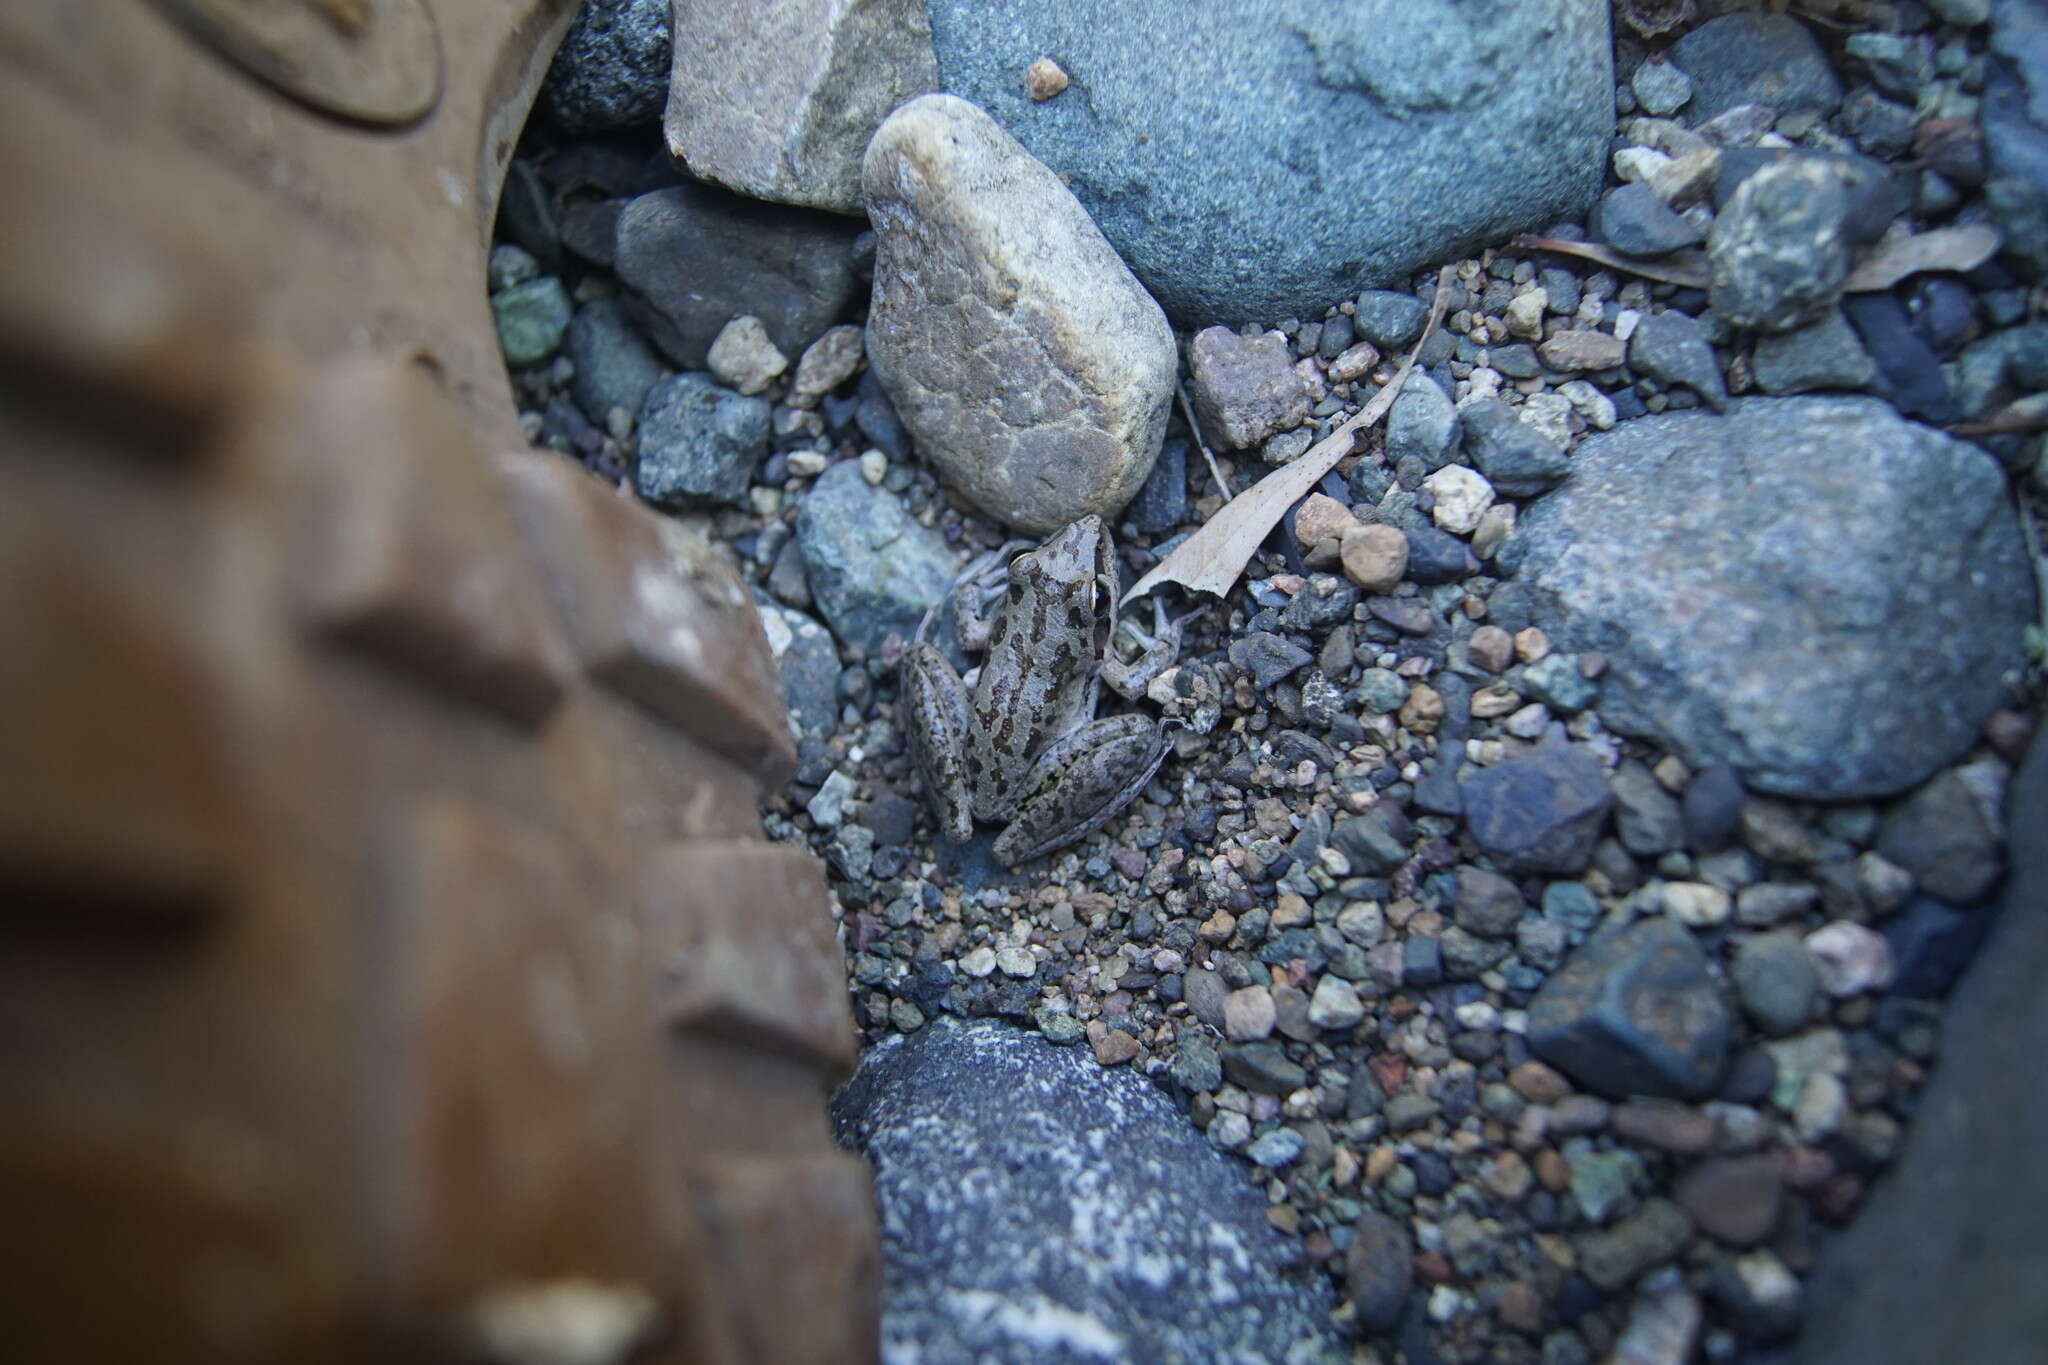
871,567
1810,590
1755,59
699,442
1162,503
1436,556
1634,1013
1541,810
1517,459
1334,144
1636,222
1943,836
1388,318
1036,1207
1376,842
1931,943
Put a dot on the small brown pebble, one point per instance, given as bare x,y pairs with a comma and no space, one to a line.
1317,1246
1433,1267
1539,1083
1423,709
1665,1125
1582,350
1044,79
1129,861
1390,1069
1734,1199
1495,700
1672,774
1320,527
1553,1172
1520,1307
1380,1163
1219,927
1531,644
1375,557
1837,1199
1115,1047
2010,732
1490,648
1285,1217
1508,1176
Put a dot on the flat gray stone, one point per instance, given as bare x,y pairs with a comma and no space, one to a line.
614,367
1032,370
1634,1013
1821,355
1768,59
1810,590
871,567
1037,1207
697,256
1253,159
699,442
779,101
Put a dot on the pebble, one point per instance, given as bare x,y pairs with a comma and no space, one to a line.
1490,648
1378,1271
1777,982
531,318
1697,905
1733,1199
1375,557
1943,837
1617,1257
981,251
1670,348
1756,59
1462,497
1647,818
1249,1014
1779,251
1422,424
1660,88
1540,811
1821,355
1634,1013
743,358
1335,1004
1850,958
1389,319
1275,1149
827,363
699,441
1635,222
614,367
1244,389
1044,78
871,567
1517,459
1582,350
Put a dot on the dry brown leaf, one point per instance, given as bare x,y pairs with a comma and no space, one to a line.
1212,559
1687,269
1951,248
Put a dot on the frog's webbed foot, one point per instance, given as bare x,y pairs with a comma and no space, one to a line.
1160,649
1081,782
939,734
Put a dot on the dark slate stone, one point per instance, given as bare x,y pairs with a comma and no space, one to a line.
1541,810
1647,818
1488,903
1755,59
611,70
1712,805
697,256
1907,372
1931,943
2015,124
1376,842
1389,319
1517,459
1267,657
995,1153
699,441
1634,221
1940,1262
1821,355
1436,556
809,667
1162,503
1352,141
871,567
1869,585
876,417
1422,962
1942,835
1262,1067
614,368
1635,1013
1672,348
1379,1270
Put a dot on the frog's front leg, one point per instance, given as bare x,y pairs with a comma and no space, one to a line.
1129,680
940,733
1080,782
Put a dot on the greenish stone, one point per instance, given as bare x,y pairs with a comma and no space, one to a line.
531,318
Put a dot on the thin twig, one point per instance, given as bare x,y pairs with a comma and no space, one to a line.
1195,430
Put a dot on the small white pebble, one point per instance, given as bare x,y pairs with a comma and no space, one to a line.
874,466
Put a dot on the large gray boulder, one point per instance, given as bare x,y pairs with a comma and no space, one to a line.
1811,590
779,101
1253,159
1039,1208
1032,369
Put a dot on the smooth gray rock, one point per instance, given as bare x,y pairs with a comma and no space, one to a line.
1647,818
1036,1207
871,567
614,367
611,70
1768,59
1672,348
779,101
1379,1270
1779,253
1810,590
808,664
1331,144
1244,388
1032,370
1776,981
1944,1261
1634,1013
697,256
1634,221
1422,423
1517,459
1944,836
699,441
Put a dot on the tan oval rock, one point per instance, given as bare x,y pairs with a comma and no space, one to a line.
1030,366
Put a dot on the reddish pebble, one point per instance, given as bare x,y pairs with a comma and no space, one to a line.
1433,1267
1129,861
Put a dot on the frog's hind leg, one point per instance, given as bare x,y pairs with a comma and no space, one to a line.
1129,680
1081,782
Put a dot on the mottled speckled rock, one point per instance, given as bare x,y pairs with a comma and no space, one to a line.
1779,252
611,70
779,101
1634,1013
1036,1207
1809,590
1033,371
871,568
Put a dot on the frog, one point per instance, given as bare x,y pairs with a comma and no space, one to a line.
1024,747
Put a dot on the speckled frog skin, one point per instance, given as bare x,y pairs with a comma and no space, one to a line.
1024,747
